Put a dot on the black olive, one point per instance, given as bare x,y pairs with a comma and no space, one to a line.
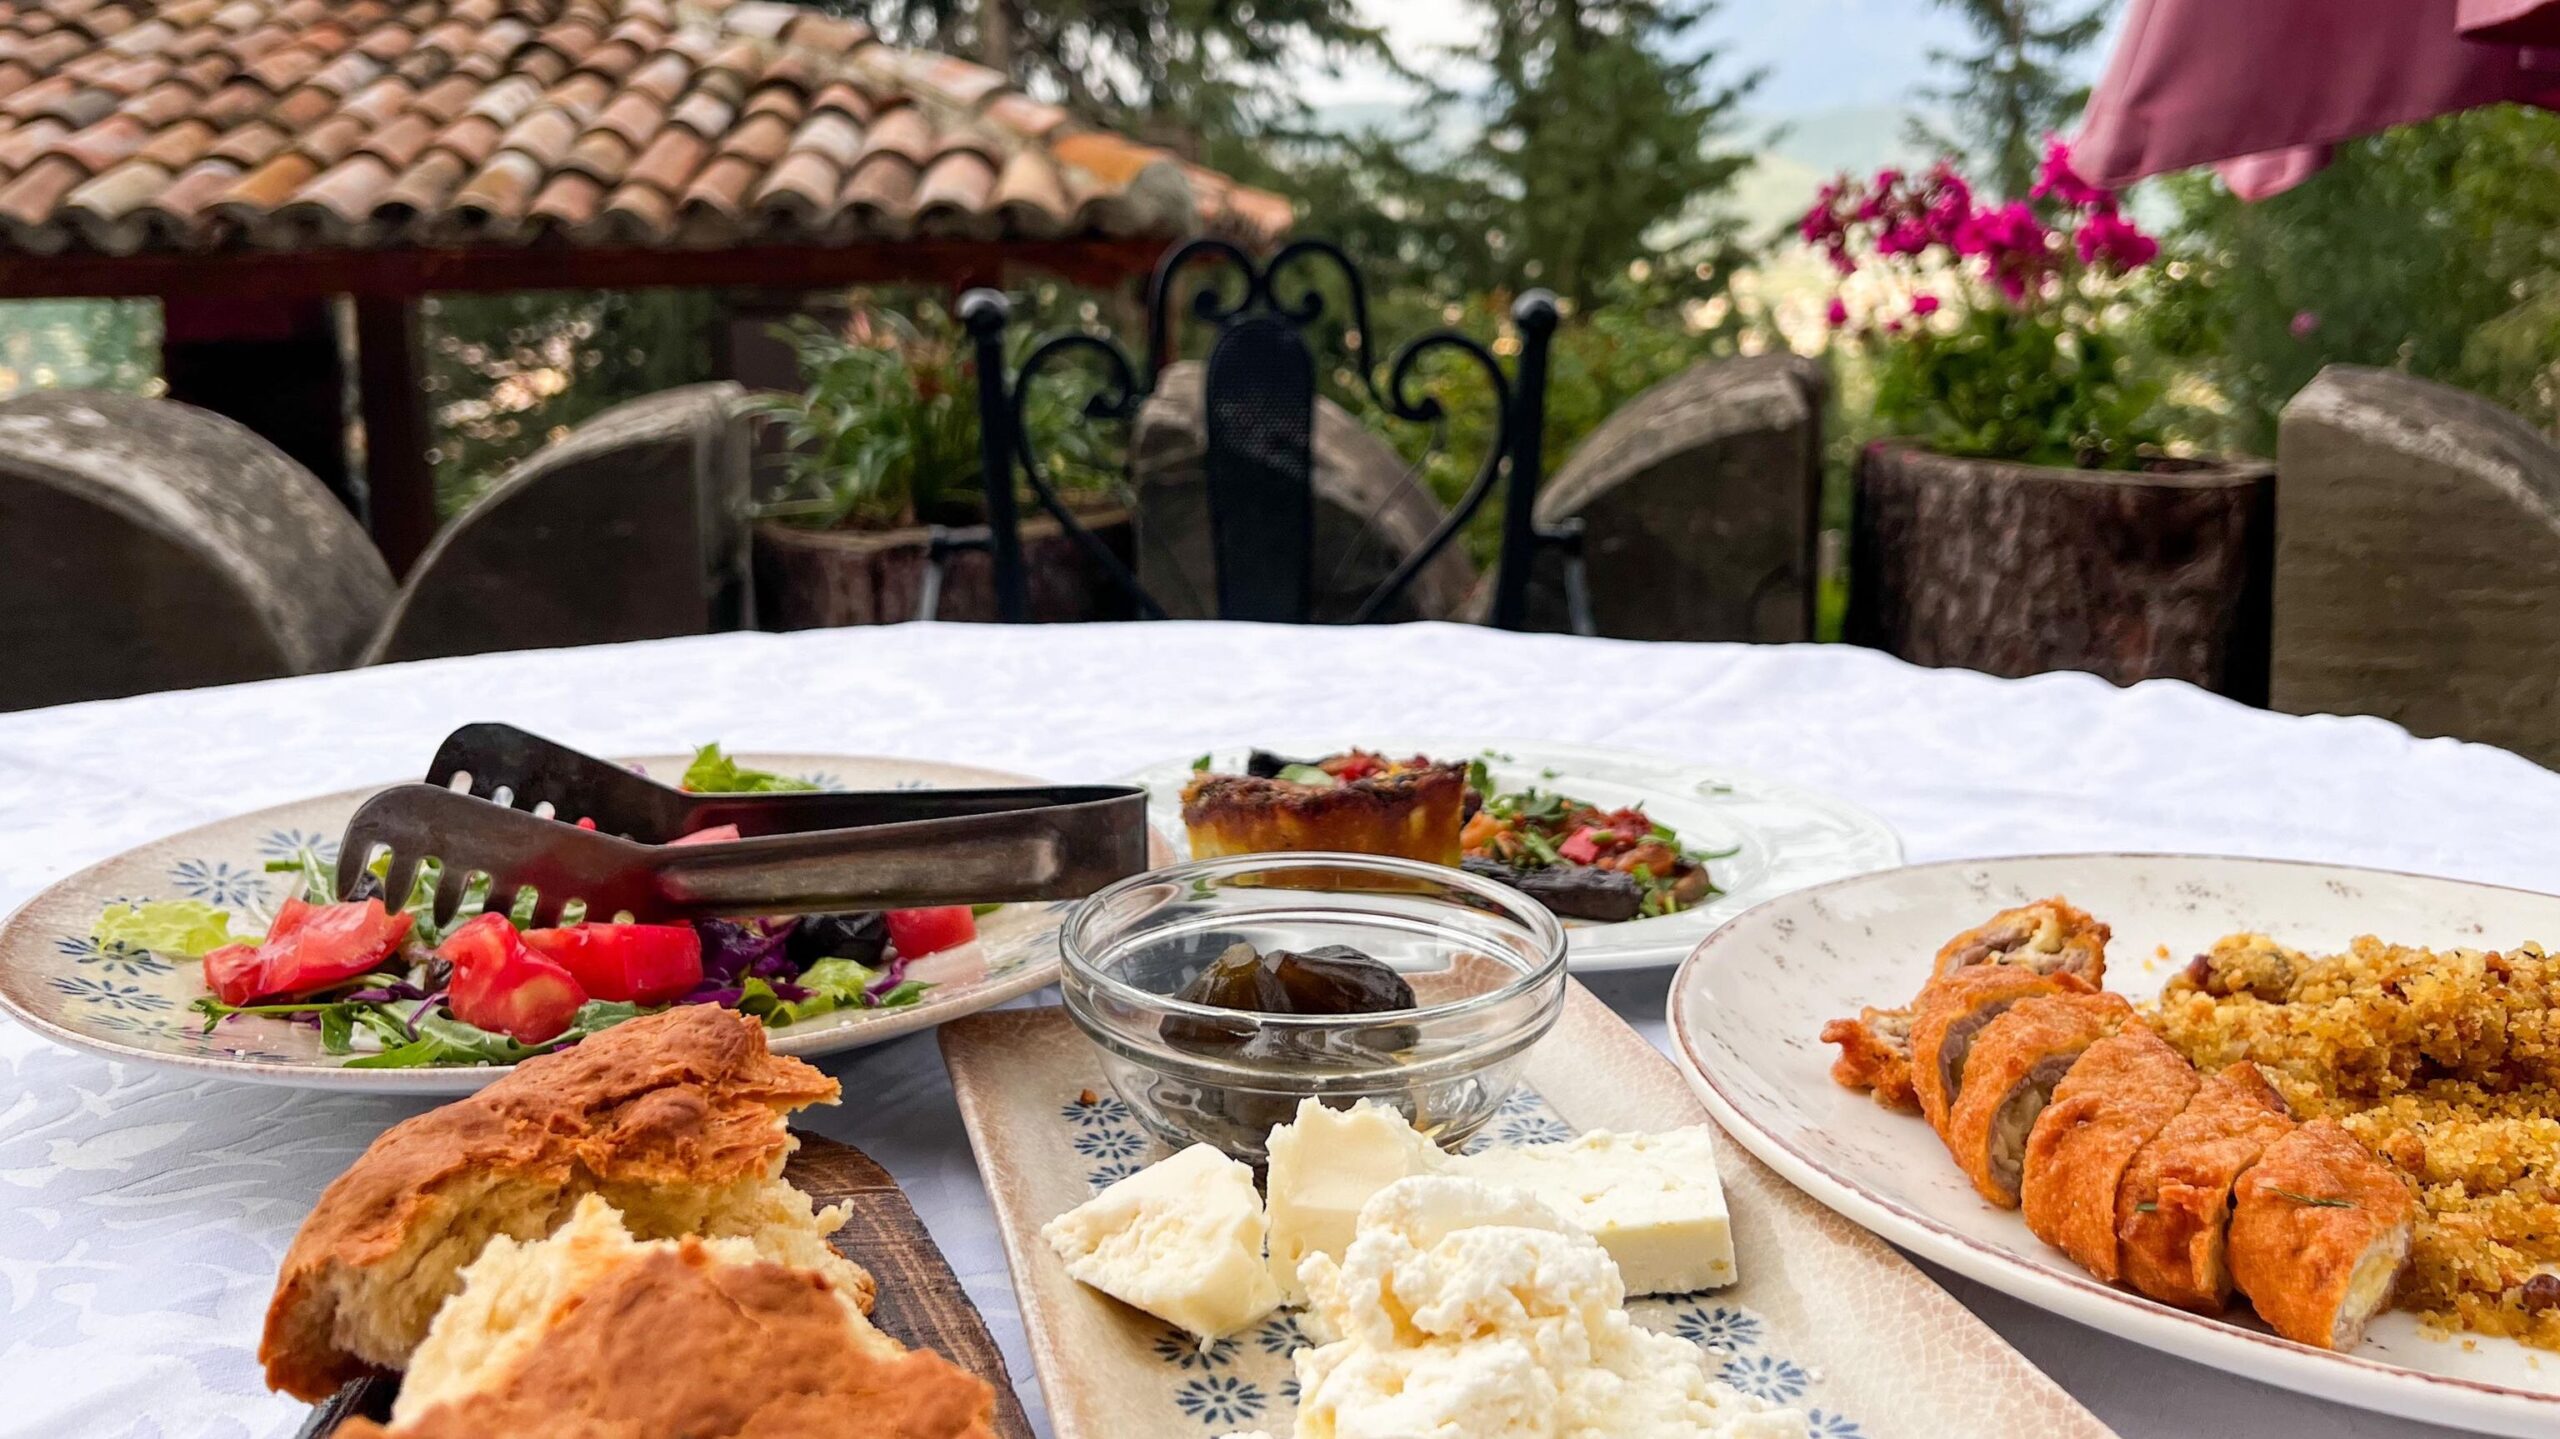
859,935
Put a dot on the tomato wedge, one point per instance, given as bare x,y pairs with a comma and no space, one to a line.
916,933
502,985
717,834
308,948
642,963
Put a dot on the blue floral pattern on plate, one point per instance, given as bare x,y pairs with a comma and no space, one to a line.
1249,1382
138,1002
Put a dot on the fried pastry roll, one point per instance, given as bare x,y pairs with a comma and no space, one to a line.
2173,1208
2124,1090
1875,1055
2010,1075
1951,1012
2050,936
2319,1234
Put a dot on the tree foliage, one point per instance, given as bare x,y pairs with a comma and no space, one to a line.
2015,86
506,374
2427,248
1604,137
1178,72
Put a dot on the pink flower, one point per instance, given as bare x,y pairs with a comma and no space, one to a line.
2060,182
1924,305
2305,325
2112,242
1838,314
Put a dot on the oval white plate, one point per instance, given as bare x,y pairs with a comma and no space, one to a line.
1784,837
135,1007
1747,1008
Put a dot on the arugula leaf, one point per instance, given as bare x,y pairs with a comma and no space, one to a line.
187,928
904,993
337,1030
319,878
1200,765
715,773
443,1039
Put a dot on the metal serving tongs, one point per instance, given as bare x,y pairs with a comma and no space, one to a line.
500,806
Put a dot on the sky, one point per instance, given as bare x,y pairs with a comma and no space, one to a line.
1819,54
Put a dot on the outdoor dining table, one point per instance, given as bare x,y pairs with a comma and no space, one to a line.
142,1215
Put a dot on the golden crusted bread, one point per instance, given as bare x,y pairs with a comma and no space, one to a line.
590,1334
1412,814
676,1118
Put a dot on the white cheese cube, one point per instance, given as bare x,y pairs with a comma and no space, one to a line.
1652,1200
1324,1166
1181,1239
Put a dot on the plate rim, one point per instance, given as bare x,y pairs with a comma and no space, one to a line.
1584,954
2080,1298
466,1079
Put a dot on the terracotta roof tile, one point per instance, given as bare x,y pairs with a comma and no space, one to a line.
179,146
198,125
108,143
671,160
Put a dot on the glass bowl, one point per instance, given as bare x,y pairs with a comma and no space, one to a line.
1486,964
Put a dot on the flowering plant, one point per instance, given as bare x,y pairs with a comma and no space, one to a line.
1992,326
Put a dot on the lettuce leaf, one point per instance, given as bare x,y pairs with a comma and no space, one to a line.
187,928
715,773
831,984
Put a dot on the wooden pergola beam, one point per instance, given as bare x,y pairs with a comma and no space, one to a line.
310,274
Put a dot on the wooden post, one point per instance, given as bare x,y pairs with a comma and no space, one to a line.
400,484
271,364
2019,569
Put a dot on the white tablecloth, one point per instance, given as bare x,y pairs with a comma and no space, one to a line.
141,1218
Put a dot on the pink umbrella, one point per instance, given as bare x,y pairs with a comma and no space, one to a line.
2262,88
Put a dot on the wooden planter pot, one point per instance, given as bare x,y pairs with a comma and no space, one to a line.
2019,569
813,579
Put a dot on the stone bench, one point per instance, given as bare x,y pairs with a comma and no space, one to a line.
147,545
1371,512
2418,561
632,527
1698,501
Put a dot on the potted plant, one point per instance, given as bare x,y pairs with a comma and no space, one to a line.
2024,512
880,446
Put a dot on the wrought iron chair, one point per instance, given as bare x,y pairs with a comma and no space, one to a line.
1258,405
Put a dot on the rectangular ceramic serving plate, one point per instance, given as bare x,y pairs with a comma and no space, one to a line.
1826,1318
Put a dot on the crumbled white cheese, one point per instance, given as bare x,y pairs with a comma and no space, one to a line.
1469,1310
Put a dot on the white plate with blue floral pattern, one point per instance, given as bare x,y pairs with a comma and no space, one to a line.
136,1006
1767,837
1825,1319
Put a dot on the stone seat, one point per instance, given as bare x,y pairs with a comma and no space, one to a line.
2418,561
147,545
632,527
1698,503
1371,511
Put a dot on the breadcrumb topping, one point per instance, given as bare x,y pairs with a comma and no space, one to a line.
2446,1063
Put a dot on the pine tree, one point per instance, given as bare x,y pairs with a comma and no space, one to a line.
2006,96
1600,138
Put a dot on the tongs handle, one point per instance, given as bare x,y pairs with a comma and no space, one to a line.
1082,839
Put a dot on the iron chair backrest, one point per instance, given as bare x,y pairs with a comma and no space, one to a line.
1259,398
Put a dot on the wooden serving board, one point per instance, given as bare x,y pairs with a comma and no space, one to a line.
920,1302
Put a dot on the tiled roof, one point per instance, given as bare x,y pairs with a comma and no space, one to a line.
128,127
